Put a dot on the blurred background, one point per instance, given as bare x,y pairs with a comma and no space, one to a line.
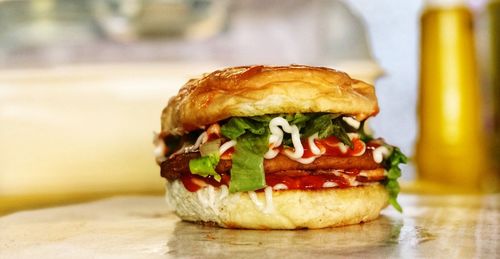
83,83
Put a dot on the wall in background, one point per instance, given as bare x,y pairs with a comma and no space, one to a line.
393,28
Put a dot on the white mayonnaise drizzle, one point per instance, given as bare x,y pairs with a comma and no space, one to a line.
266,208
276,138
342,147
210,198
224,192
202,138
363,173
280,186
271,153
352,135
224,147
255,200
306,160
352,122
329,184
380,153
206,196
314,149
297,145
350,178
352,181
269,200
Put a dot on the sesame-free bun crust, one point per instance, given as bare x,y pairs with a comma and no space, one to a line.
292,209
258,90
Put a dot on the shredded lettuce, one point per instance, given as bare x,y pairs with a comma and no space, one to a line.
391,164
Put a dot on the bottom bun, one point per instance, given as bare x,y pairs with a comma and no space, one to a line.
284,209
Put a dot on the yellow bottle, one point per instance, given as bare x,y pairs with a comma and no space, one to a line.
494,76
450,149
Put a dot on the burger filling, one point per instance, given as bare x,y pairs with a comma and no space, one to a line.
284,152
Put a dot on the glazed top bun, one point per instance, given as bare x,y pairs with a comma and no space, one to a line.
257,90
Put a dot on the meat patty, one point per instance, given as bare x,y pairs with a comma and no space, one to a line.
174,167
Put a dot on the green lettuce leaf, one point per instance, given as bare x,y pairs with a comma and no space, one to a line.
252,134
247,172
205,166
365,137
391,164
299,119
327,125
237,126
252,140
210,148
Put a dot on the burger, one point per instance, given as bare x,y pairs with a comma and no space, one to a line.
276,147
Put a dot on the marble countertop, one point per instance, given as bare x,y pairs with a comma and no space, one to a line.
144,227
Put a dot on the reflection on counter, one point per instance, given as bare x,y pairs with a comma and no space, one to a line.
430,227
351,240
447,226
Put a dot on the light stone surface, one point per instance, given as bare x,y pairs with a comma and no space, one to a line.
143,227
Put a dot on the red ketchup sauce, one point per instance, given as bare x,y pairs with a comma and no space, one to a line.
330,147
302,182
